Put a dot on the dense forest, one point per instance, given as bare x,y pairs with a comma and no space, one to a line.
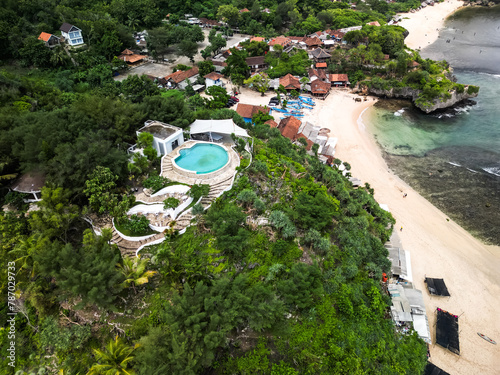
281,275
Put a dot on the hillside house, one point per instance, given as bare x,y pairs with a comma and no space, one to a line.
72,34
320,89
320,74
255,63
289,127
165,137
339,80
283,41
320,55
290,82
181,78
208,24
213,79
219,65
257,39
49,39
247,111
131,58
313,43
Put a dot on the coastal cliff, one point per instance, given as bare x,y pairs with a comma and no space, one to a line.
426,105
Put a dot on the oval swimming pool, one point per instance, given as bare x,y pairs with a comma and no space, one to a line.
202,158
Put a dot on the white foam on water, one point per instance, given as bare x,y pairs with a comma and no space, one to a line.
492,170
361,124
455,164
472,170
399,113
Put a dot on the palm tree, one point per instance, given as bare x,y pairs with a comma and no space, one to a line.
114,359
134,272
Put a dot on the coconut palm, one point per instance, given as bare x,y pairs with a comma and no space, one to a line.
114,359
134,271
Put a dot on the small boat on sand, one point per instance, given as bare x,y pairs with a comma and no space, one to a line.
487,338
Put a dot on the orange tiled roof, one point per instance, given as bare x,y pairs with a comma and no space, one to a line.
180,75
272,123
248,110
44,36
213,76
290,82
257,39
339,78
281,40
131,58
374,23
244,10
320,87
321,65
289,127
313,41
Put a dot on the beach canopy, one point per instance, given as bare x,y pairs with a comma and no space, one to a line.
437,287
447,331
217,126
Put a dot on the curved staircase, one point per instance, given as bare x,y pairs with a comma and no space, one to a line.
129,248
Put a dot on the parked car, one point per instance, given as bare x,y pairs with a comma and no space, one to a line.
235,98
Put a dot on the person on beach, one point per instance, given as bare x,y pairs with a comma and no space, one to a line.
401,229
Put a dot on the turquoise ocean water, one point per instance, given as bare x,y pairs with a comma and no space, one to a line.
453,157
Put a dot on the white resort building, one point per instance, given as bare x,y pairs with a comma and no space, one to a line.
166,138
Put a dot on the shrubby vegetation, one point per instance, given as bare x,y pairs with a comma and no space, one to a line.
280,275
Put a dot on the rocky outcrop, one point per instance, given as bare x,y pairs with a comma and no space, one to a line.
413,94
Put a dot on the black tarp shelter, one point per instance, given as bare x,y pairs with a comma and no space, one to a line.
432,369
437,287
447,331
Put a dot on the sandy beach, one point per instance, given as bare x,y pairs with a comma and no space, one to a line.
424,25
439,248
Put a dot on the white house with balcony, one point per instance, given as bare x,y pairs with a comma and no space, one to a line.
166,138
72,34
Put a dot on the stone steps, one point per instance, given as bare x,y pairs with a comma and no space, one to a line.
129,248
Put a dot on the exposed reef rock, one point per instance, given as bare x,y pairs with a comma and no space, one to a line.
427,107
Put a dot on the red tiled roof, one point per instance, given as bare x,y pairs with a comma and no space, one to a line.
374,23
248,110
244,10
339,78
297,38
180,75
44,36
321,65
281,40
257,39
130,57
213,76
289,127
290,82
320,87
272,123
309,142
313,41
219,63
